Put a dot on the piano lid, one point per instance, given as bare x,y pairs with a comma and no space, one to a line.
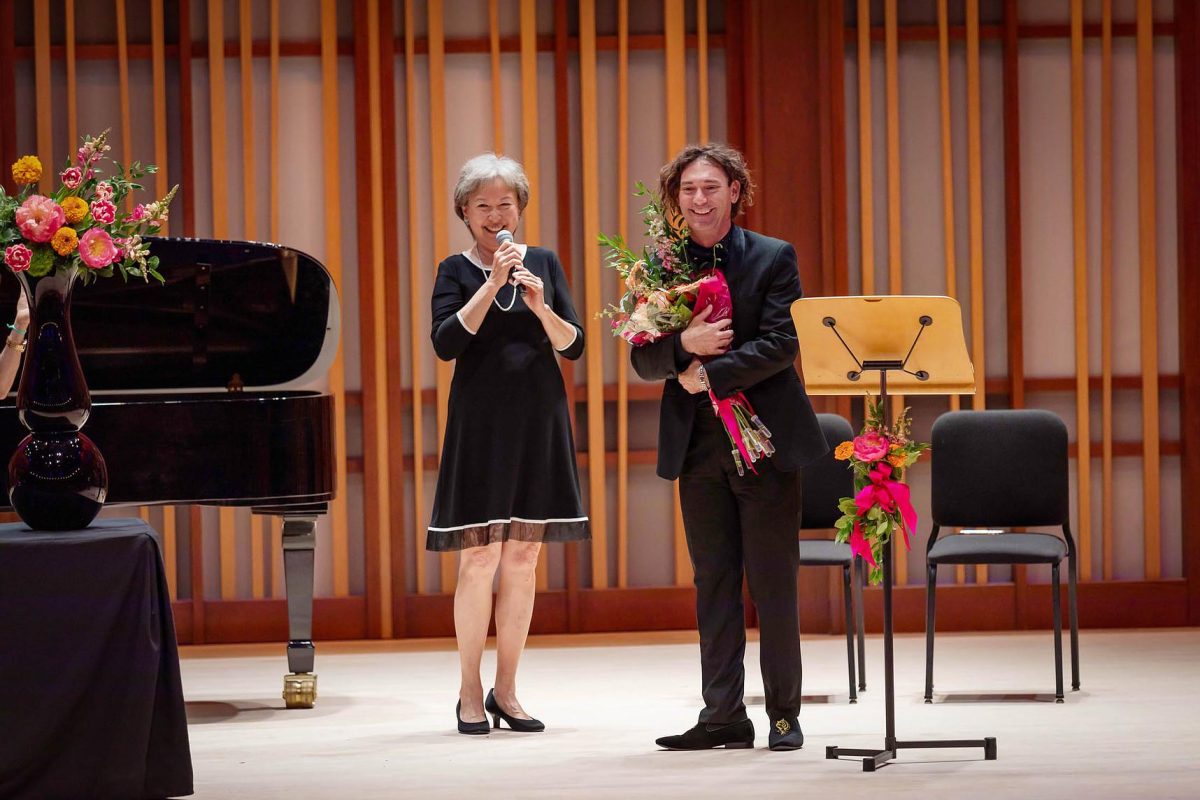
266,313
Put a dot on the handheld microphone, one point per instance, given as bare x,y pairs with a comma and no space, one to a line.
503,236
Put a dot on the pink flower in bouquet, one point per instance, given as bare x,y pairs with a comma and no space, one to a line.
104,212
72,177
139,213
17,257
97,249
871,446
714,293
104,190
39,218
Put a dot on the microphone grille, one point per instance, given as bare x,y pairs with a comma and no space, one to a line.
504,236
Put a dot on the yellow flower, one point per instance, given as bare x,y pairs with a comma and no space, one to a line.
65,241
844,451
75,208
27,169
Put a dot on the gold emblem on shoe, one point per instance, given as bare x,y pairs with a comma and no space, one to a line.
783,726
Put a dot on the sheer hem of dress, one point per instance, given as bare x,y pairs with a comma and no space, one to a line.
516,530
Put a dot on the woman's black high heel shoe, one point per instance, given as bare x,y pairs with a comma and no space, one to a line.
516,723
470,728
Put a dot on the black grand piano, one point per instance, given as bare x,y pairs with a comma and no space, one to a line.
202,393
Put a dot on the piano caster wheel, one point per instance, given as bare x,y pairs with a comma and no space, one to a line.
299,689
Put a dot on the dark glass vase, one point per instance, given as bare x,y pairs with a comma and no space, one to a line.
57,479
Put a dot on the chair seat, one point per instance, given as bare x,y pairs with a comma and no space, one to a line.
823,553
1000,548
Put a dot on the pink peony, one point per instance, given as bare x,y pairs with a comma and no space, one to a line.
72,177
39,218
871,446
104,212
96,249
17,257
104,190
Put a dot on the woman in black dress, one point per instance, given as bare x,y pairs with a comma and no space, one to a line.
508,480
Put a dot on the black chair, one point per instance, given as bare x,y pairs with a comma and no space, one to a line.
1002,470
824,482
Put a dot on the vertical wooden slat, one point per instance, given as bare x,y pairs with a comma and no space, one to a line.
227,540
158,68
414,300
273,102
187,161
975,217
593,297
623,231
1148,258
123,70
701,65
44,99
563,164
1014,307
8,93
1083,473
379,365
1106,296
73,83
529,118
895,263
441,235
275,524
497,100
257,562
676,73
170,551
246,58
866,189
395,580
947,161
333,260
196,559
226,519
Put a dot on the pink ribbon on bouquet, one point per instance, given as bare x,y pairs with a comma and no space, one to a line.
724,410
889,495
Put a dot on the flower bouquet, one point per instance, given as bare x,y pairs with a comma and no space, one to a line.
881,504
78,224
663,291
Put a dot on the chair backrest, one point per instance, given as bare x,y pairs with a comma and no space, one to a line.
826,480
1000,469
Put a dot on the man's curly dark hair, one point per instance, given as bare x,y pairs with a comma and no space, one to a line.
731,162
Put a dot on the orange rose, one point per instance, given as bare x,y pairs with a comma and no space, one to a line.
896,460
844,451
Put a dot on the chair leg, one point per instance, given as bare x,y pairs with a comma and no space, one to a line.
857,581
1056,594
930,607
1073,611
849,630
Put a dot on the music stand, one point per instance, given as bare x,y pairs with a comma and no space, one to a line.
918,341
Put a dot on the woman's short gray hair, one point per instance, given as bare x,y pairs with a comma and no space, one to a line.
486,168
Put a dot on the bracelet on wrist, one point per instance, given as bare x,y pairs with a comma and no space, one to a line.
15,329
703,375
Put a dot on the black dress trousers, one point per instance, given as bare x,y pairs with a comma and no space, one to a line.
735,523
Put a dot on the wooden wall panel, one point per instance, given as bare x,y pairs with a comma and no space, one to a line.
1107,334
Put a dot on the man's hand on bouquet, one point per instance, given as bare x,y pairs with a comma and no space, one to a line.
703,338
690,378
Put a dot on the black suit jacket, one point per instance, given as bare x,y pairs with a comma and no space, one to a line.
764,282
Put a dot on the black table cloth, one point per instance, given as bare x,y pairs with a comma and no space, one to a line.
91,702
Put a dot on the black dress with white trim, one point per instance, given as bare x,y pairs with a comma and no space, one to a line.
508,460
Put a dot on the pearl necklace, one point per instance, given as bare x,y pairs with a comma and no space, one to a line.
479,263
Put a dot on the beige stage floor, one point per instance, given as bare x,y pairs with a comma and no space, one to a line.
383,726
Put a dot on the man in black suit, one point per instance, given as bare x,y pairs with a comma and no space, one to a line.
734,522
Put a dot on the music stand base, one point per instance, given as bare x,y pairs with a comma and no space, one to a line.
874,759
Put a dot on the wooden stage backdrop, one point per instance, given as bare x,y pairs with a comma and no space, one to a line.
1036,162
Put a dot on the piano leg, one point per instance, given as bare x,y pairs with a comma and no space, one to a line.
299,541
